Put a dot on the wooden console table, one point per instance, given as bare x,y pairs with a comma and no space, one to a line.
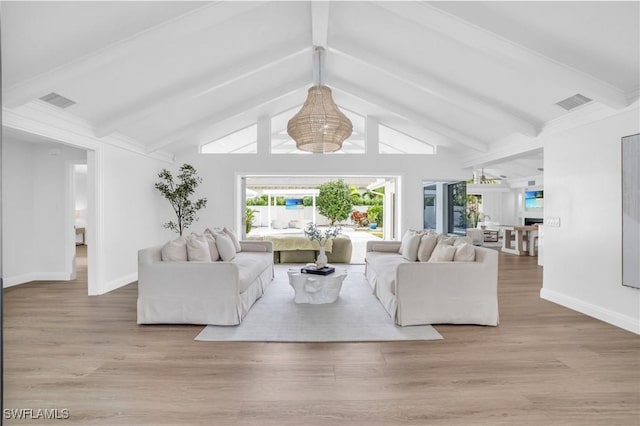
524,240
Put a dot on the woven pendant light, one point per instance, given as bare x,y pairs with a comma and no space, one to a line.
319,126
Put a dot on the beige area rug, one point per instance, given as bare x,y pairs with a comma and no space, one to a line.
357,316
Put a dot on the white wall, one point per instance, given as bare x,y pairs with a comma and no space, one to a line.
34,221
18,256
582,260
80,195
133,212
34,211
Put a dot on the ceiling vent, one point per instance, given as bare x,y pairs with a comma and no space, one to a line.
573,102
57,100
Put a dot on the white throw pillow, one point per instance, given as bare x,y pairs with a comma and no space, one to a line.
427,244
410,248
465,253
384,248
175,251
405,238
462,240
198,249
225,247
234,238
443,253
213,248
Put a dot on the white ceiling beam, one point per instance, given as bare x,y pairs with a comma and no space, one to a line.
406,113
508,53
320,22
164,34
351,102
257,101
436,87
205,85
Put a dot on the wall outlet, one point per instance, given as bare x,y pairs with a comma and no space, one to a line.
552,222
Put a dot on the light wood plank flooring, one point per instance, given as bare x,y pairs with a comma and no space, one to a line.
544,365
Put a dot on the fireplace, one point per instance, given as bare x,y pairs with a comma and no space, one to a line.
528,221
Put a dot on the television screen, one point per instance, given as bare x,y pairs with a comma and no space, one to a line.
293,203
533,203
533,194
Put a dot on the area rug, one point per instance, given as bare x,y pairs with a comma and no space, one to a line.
356,316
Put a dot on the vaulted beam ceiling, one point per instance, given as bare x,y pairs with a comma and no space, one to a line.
443,90
207,83
435,71
507,53
455,136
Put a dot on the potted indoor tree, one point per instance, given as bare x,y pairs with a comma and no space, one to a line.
178,192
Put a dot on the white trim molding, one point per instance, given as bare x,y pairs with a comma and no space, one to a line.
623,321
119,282
35,276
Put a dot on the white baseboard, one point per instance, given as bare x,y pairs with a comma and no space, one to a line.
35,276
623,321
119,282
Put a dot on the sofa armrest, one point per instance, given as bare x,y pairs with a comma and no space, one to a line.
257,245
383,246
449,292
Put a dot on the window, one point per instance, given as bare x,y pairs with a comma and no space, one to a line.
395,142
244,141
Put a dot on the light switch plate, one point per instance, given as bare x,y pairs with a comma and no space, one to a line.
552,222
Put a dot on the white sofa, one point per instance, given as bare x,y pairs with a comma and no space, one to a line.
220,292
414,292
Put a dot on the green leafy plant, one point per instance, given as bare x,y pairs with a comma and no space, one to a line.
334,201
474,215
375,214
178,193
312,232
249,216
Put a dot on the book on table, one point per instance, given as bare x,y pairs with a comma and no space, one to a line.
311,269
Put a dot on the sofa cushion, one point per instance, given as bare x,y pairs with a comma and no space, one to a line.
410,246
213,248
175,251
198,249
250,266
385,265
234,238
225,247
427,244
406,238
443,253
465,253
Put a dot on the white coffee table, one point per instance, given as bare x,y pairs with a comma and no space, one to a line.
316,289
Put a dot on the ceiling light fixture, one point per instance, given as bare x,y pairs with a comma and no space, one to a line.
319,126
483,178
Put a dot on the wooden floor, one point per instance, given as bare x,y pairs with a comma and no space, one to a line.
544,365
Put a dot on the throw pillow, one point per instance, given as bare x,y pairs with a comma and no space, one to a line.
427,244
465,253
175,251
443,253
225,247
234,238
198,249
410,248
462,240
405,238
384,248
213,249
